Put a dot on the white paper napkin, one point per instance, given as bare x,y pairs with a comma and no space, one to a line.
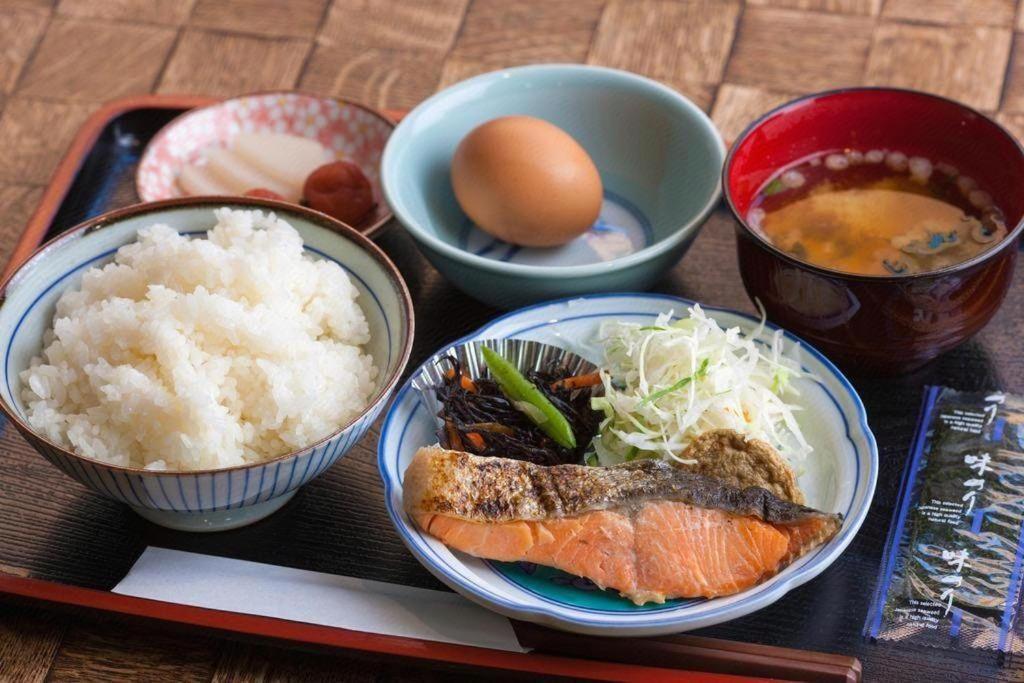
315,598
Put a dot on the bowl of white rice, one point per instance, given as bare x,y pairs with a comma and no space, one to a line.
201,359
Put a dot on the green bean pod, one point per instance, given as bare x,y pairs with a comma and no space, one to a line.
520,390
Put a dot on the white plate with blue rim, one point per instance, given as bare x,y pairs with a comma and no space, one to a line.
839,477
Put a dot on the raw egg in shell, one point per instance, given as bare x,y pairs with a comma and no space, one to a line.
526,182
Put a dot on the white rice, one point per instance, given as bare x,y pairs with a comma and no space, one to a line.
188,354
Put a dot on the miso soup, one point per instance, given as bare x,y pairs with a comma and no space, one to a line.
876,212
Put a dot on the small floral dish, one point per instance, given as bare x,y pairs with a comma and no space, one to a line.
352,132
216,499
832,417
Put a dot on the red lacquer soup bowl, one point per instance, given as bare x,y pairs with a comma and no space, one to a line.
868,322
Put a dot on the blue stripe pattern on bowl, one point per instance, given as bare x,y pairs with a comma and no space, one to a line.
206,492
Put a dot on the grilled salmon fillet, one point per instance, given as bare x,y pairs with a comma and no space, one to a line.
645,529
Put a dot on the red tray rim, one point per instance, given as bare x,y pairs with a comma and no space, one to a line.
297,632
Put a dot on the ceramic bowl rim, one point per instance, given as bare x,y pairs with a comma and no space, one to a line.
116,216
977,260
369,230
662,246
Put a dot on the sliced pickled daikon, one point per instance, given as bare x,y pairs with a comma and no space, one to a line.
197,180
240,176
289,159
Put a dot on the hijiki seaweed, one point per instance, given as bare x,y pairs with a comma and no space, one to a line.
478,418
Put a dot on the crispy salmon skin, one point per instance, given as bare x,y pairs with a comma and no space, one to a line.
644,528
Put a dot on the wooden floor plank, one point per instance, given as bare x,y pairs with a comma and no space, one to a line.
17,202
240,663
112,652
457,69
22,29
965,63
953,12
386,79
1013,92
1013,122
384,55
170,12
865,7
245,663
502,33
35,4
34,135
84,60
29,640
820,51
736,106
676,42
295,18
384,24
214,63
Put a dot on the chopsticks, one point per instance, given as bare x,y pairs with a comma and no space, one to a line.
696,653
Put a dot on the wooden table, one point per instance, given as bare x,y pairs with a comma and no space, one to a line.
733,58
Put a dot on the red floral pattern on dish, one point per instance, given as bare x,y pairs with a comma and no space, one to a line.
351,132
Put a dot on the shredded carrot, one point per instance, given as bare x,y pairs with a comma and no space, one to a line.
464,381
476,440
578,382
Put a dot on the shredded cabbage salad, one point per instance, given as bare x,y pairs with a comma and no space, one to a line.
667,382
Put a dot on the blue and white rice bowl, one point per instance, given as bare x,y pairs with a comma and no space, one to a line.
218,499
839,477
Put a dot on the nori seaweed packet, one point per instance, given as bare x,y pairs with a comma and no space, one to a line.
950,576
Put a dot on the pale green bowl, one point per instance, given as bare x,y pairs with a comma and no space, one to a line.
659,156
